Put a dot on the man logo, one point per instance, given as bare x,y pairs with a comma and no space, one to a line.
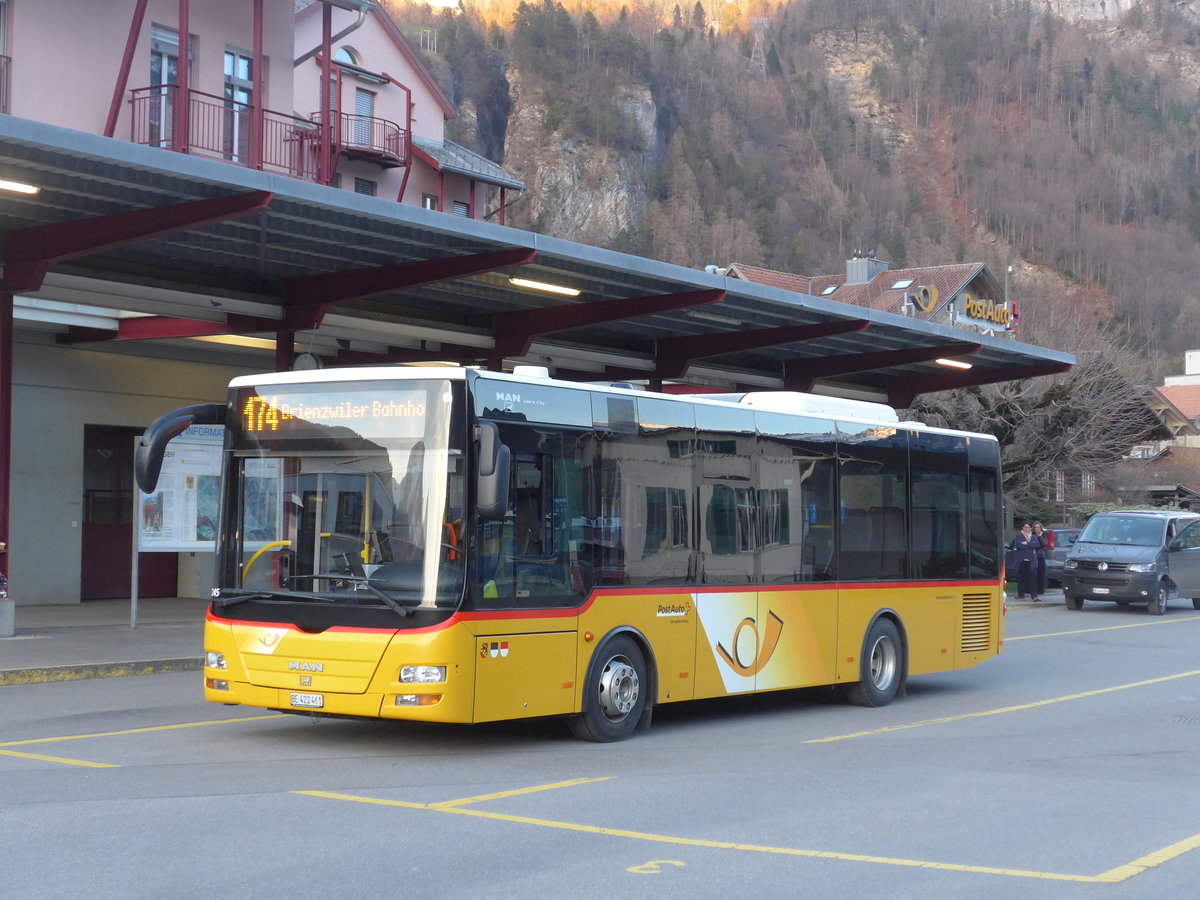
762,654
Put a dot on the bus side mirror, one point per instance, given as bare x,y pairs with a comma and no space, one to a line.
152,445
495,461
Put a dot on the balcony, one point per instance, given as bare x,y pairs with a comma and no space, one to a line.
222,129
368,138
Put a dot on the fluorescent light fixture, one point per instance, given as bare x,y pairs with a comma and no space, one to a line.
18,187
237,340
544,286
954,363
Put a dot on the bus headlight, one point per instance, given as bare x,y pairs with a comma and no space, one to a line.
422,674
214,660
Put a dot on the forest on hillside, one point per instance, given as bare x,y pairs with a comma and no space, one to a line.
991,131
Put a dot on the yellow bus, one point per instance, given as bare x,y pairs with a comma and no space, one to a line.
453,545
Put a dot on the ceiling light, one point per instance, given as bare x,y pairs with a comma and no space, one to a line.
18,187
237,340
543,286
953,363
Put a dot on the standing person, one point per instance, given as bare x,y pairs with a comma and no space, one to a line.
1043,544
1025,559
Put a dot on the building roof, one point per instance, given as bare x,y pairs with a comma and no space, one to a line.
1185,397
880,293
448,156
209,248
449,111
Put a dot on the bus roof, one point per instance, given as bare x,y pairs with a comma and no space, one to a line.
787,402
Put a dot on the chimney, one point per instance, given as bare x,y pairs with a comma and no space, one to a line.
862,267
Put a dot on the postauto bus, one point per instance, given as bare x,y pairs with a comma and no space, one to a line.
453,545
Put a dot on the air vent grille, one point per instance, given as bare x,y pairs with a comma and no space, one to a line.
976,623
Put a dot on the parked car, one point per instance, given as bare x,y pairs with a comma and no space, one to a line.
1064,540
1135,556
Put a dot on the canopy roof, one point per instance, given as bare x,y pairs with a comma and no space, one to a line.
188,247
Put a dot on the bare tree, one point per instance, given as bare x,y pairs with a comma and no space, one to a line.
1083,421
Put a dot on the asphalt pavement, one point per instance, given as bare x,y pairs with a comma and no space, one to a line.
102,639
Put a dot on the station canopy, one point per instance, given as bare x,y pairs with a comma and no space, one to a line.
125,243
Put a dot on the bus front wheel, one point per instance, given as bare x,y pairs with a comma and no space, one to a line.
881,667
615,694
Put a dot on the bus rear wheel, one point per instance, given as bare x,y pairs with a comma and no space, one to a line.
881,667
614,696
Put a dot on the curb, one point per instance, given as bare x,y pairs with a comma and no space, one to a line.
46,674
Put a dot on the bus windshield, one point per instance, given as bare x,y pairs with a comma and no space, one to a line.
347,492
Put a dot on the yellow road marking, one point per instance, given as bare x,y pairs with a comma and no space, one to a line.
103,734
1004,709
516,793
147,730
1120,873
1033,637
58,759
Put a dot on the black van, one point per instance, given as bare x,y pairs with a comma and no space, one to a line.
1135,556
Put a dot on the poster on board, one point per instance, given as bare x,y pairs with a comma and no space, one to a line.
181,514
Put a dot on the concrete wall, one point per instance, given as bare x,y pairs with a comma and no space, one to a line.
56,391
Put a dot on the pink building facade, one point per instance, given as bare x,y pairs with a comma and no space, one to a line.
250,92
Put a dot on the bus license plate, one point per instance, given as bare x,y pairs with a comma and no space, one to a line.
1099,590
307,701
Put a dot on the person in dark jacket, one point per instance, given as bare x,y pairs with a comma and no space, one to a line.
1044,543
1025,545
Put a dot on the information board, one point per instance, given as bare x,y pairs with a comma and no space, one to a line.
181,515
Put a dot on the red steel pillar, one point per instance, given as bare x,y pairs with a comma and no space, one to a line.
7,603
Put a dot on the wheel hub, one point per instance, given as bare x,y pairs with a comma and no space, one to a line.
883,664
619,688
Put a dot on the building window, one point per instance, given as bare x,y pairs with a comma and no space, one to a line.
239,95
364,186
345,55
364,115
429,201
1089,483
1060,485
462,209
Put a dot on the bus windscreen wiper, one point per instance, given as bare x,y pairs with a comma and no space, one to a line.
232,597
361,581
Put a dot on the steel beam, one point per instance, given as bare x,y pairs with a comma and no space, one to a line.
135,29
307,299
676,355
150,328
903,391
799,374
41,245
515,331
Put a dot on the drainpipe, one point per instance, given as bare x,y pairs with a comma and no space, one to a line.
183,96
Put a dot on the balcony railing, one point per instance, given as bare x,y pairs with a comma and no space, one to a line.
370,138
221,129
5,66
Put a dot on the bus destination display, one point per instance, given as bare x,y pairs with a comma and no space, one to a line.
400,413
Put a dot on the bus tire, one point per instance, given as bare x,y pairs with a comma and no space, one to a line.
614,696
881,666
